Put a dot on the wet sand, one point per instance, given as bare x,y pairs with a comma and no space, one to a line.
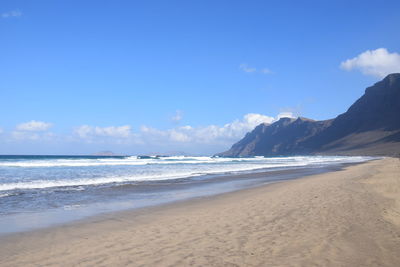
349,217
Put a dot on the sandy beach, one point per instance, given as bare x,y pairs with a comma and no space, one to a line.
349,217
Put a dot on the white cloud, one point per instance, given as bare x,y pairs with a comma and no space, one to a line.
32,136
17,135
285,114
199,139
377,63
251,120
178,116
34,126
244,67
206,134
86,131
179,135
11,14
209,134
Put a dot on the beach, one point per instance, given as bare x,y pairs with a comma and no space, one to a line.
349,217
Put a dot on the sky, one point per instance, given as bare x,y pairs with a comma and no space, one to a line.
139,77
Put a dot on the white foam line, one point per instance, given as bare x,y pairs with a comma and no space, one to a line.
131,161
40,184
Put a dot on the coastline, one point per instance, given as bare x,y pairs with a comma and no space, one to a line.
129,197
348,217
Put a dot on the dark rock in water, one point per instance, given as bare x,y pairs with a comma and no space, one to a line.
371,126
150,157
145,157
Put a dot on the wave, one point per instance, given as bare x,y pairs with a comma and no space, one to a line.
134,161
245,164
129,161
8,194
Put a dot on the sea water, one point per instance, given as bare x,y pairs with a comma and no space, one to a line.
37,191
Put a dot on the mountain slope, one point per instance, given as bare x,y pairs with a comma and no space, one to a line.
371,126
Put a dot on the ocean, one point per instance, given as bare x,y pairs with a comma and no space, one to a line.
39,191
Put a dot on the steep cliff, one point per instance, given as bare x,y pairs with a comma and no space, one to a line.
371,126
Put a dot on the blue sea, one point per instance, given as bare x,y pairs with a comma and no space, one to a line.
39,191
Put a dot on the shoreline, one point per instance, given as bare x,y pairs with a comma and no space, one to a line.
169,192
347,217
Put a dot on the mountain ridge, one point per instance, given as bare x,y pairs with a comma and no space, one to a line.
370,126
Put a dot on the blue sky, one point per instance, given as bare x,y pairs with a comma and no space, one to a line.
134,77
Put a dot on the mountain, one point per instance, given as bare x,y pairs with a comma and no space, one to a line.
105,153
371,126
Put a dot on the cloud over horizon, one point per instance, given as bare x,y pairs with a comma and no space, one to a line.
208,138
207,134
34,126
379,63
147,135
31,131
86,131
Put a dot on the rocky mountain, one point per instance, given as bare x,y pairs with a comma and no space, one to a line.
371,126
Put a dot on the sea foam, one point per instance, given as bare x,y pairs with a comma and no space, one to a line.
38,174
